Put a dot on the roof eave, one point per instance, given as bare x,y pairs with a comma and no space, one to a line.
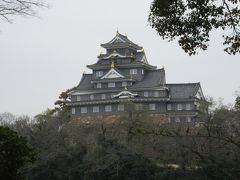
99,67
124,45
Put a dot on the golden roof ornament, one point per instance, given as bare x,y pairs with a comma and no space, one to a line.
112,65
117,33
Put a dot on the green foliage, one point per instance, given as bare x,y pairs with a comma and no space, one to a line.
63,99
118,162
133,147
237,104
14,154
191,21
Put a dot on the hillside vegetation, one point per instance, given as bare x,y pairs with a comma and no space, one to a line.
131,147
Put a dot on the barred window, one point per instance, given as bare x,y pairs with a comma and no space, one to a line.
152,107
108,108
124,84
103,96
121,107
179,107
99,85
96,109
91,96
73,111
112,84
133,71
156,94
78,98
83,110
145,94
99,73
188,106
169,107
188,119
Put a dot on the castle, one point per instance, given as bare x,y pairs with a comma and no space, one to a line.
122,74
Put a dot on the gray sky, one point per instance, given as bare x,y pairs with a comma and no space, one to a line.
41,57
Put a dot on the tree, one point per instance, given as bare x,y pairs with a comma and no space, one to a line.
14,154
11,8
191,21
237,104
210,150
63,98
7,119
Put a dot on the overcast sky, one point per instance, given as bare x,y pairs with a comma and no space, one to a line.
41,57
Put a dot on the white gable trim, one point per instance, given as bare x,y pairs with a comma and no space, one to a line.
116,38
125,94
112,73
114,55
199,94
144,59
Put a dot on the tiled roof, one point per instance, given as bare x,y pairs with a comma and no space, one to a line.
85,82
185,90
153,78
113,80
120,39
139,56
132,64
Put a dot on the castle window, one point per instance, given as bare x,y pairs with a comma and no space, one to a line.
121,107
142,71
78,98
145,94
177,119
188,107
188,119
112,84
156,94
179,107
103,96
124,84
91,96
73,111
96,109
99,73
108,108
133,71
83,110
169,107
99,85
152,107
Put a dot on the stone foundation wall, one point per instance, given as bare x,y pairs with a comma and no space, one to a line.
155,118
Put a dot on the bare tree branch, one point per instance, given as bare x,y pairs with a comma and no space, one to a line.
12,8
